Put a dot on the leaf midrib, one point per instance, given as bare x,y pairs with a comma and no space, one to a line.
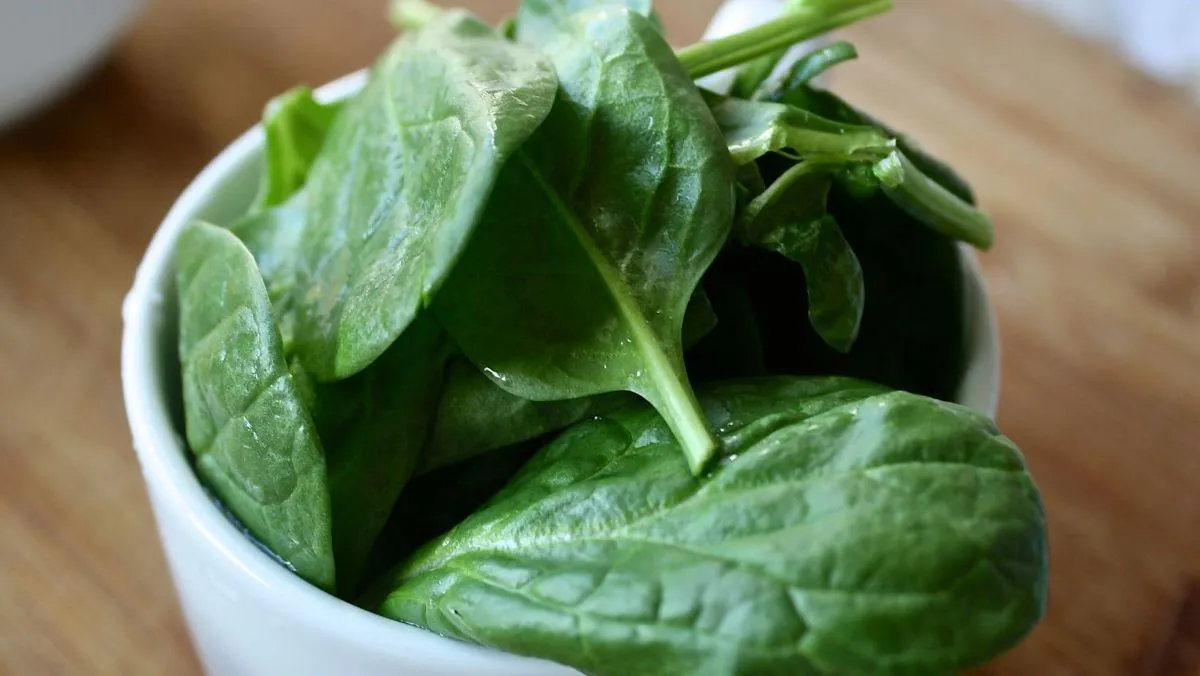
658,365
627,531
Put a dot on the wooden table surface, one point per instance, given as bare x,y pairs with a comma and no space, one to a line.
1091,171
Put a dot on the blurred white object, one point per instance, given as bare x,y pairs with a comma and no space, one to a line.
45,45
732,17
1161,37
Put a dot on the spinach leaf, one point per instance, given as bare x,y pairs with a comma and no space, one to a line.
375,426
255,444
476,416
273,236
911,336
577,280
408,167
434,503
295,125
790,219
755,128
542,21
850,530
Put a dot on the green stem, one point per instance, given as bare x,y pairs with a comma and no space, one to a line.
803,23
926,200
813,64
413,14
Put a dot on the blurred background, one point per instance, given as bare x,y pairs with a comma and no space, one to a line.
1076,120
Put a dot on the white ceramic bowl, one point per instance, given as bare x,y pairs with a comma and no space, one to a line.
46,44
247,614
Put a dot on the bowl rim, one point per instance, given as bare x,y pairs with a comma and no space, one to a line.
163,457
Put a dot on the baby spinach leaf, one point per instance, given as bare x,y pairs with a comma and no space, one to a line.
790,219
375,426
431,505
296,125
540,21
755,128
476,416
834,277
851,530
255,444
273,236
409,165
577,280
911,336
807,68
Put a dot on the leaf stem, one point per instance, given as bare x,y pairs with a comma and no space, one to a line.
803,23
811,65
923,198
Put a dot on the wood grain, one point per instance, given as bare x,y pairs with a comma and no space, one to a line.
1091,171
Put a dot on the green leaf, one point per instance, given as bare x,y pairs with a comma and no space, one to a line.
834,278
850,530
255,444
808,67
578,279
911,337
790,219
296,125
431,505
375,426
410,164
476,416
541,21
273,236
754,128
